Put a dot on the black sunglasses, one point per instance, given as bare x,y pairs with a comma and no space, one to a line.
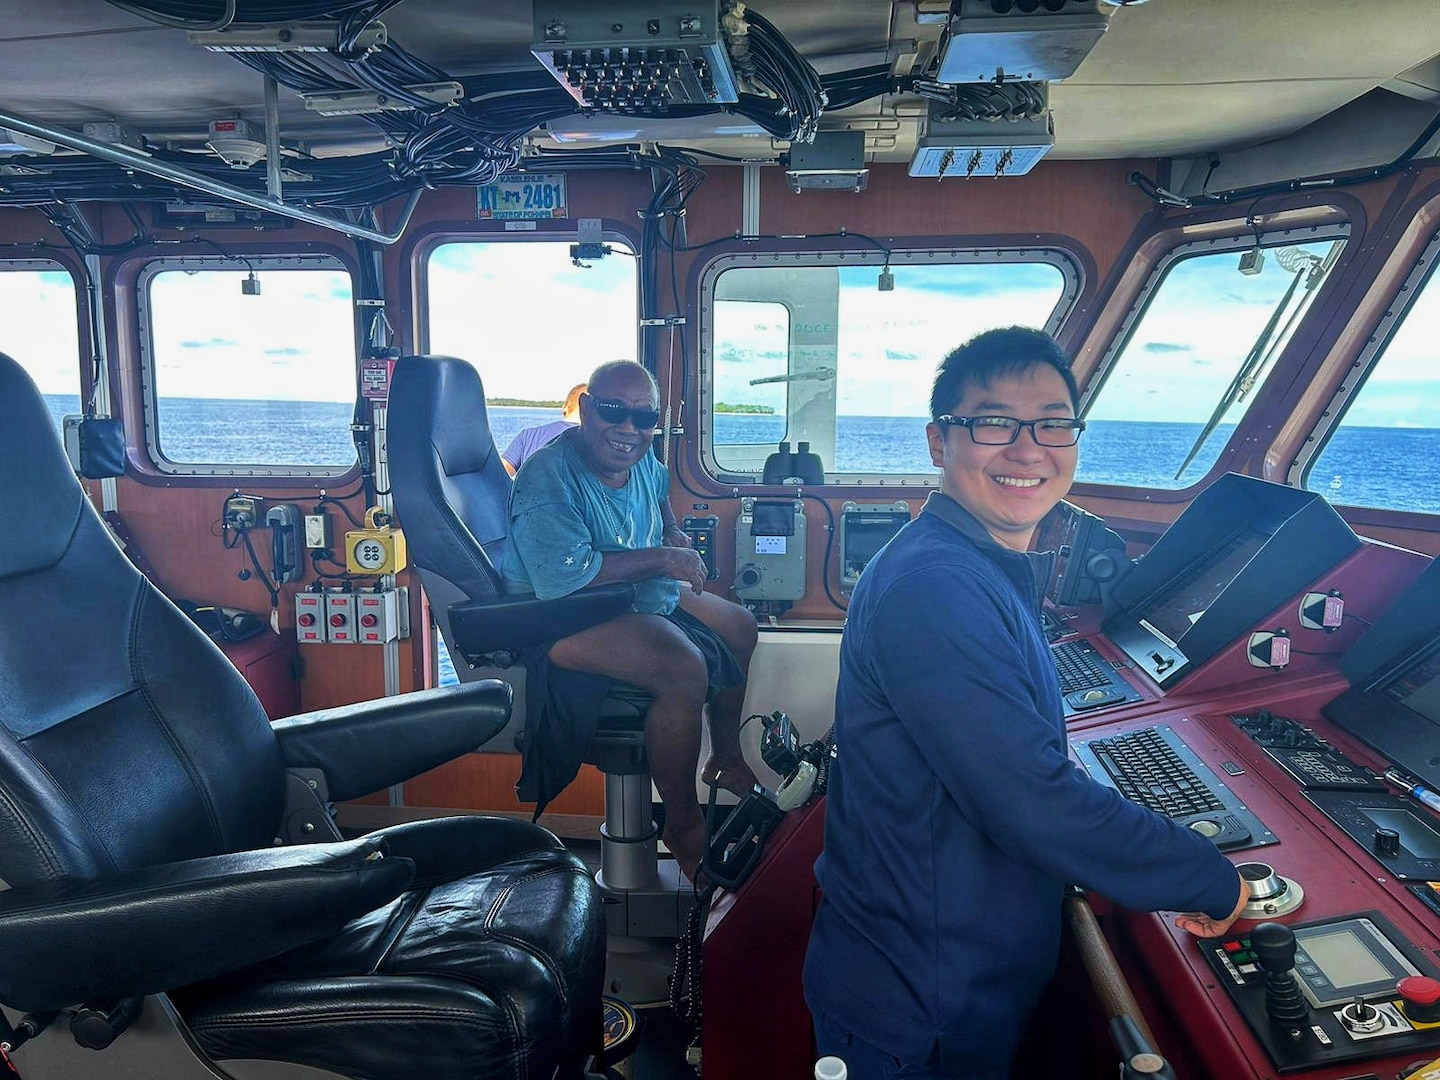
616,412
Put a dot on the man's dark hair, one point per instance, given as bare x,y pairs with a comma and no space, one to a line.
997,354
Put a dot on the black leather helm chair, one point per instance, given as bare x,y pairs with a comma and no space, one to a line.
142,790
453,497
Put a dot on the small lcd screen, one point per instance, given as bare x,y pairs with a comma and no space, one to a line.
1345,960
865,535
1181,602
770,545
1416,835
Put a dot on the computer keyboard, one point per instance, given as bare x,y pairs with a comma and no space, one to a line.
1087,680
1154,767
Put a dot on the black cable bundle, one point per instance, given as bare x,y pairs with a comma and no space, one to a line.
770,62
985,101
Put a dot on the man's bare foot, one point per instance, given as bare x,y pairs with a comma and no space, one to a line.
687,844
735,777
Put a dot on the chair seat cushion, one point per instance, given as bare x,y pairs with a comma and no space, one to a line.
464,980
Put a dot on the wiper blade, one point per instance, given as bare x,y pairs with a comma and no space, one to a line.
1311,272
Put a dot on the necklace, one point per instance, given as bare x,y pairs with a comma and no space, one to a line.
606,504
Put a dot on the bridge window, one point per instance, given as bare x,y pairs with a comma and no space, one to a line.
815,348
1194,353
530,320
1383,449
41,332
240,382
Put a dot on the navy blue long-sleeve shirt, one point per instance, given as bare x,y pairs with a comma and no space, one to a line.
955,816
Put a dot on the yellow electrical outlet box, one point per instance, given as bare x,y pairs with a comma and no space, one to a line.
375,549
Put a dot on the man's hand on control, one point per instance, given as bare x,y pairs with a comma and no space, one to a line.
675,536
1202,925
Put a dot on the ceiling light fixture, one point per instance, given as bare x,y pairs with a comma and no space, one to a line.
358,102
285,37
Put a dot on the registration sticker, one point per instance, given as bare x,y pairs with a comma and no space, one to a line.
522,196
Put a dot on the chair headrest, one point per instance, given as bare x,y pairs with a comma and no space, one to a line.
36,481
447,394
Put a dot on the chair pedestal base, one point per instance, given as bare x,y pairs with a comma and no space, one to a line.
642,926
628,837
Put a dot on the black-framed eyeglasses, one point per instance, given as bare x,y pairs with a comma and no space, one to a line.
615,412
1004,430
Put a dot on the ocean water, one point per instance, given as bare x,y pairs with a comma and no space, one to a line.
1391,467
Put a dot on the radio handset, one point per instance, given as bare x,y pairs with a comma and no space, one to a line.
737,845
283,520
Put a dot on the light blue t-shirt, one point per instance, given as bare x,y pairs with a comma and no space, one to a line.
563,519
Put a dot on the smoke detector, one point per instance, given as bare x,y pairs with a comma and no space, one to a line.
237,142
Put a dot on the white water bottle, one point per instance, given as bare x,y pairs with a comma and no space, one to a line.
830,1068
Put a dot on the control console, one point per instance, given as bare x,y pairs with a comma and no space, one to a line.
1311,761
1332,991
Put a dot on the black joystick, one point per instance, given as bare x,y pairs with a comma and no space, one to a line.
1274,948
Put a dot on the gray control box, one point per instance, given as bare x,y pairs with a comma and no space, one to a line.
770,549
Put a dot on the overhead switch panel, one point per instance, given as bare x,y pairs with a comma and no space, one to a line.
635,57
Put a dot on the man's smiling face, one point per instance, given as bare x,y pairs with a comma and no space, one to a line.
612,448
1010,488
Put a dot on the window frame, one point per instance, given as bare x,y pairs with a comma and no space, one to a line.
148,397
1069,263
1092,384
1330,419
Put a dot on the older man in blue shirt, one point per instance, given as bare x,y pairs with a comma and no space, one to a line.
593,507
955,817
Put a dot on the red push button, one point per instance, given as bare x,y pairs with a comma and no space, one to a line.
1420,989
368,620
306,619
337,620
1420,998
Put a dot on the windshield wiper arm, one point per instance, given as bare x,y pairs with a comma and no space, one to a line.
1256,358
820,374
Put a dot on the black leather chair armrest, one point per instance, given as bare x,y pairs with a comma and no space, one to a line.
370,745
450,848
511,623
145,931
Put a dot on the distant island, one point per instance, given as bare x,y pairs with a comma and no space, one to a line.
524,403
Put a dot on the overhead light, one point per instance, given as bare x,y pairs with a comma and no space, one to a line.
354,102
13,142
994,42
950,147
662,53
835,161
285,37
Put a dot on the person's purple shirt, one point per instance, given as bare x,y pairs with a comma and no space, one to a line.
528,440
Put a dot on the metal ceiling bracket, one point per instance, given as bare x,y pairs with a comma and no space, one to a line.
750,201
144,163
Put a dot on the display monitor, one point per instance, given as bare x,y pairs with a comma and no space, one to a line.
864,530
1394,671
1088,557
1240,550
1182,603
